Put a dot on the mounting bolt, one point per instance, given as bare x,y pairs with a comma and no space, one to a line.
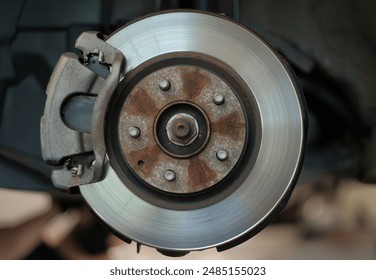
222,155
134,132
218,99
170,175
164,85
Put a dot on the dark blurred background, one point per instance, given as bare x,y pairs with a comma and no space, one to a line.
331,46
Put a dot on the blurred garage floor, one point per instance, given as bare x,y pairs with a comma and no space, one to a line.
343,227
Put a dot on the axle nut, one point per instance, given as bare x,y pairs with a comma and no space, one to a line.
182,129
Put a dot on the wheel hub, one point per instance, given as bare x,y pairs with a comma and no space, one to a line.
182,128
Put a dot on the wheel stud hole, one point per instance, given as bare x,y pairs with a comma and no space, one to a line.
140,163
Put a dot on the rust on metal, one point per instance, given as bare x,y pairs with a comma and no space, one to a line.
143,105
145,159
199,173
229,126
194,82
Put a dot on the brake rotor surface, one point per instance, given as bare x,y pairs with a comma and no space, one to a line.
205,135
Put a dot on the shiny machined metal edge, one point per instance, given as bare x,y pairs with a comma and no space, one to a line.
282,136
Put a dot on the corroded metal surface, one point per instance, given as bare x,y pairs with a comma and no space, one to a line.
190,85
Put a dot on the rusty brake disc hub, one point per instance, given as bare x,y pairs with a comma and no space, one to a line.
181,129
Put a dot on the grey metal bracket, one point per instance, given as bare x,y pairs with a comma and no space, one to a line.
79,156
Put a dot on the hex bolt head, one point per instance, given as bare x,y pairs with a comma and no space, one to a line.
218,99
182,129
164,85
134,132
222,155
170,175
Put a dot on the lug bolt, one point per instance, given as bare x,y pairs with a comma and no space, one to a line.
222,155
134,132
170,175
218,99
164,85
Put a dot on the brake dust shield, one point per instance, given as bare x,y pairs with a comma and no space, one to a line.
204,135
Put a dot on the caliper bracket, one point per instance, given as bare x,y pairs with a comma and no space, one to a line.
79,156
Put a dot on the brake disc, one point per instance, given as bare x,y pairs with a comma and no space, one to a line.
196,142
